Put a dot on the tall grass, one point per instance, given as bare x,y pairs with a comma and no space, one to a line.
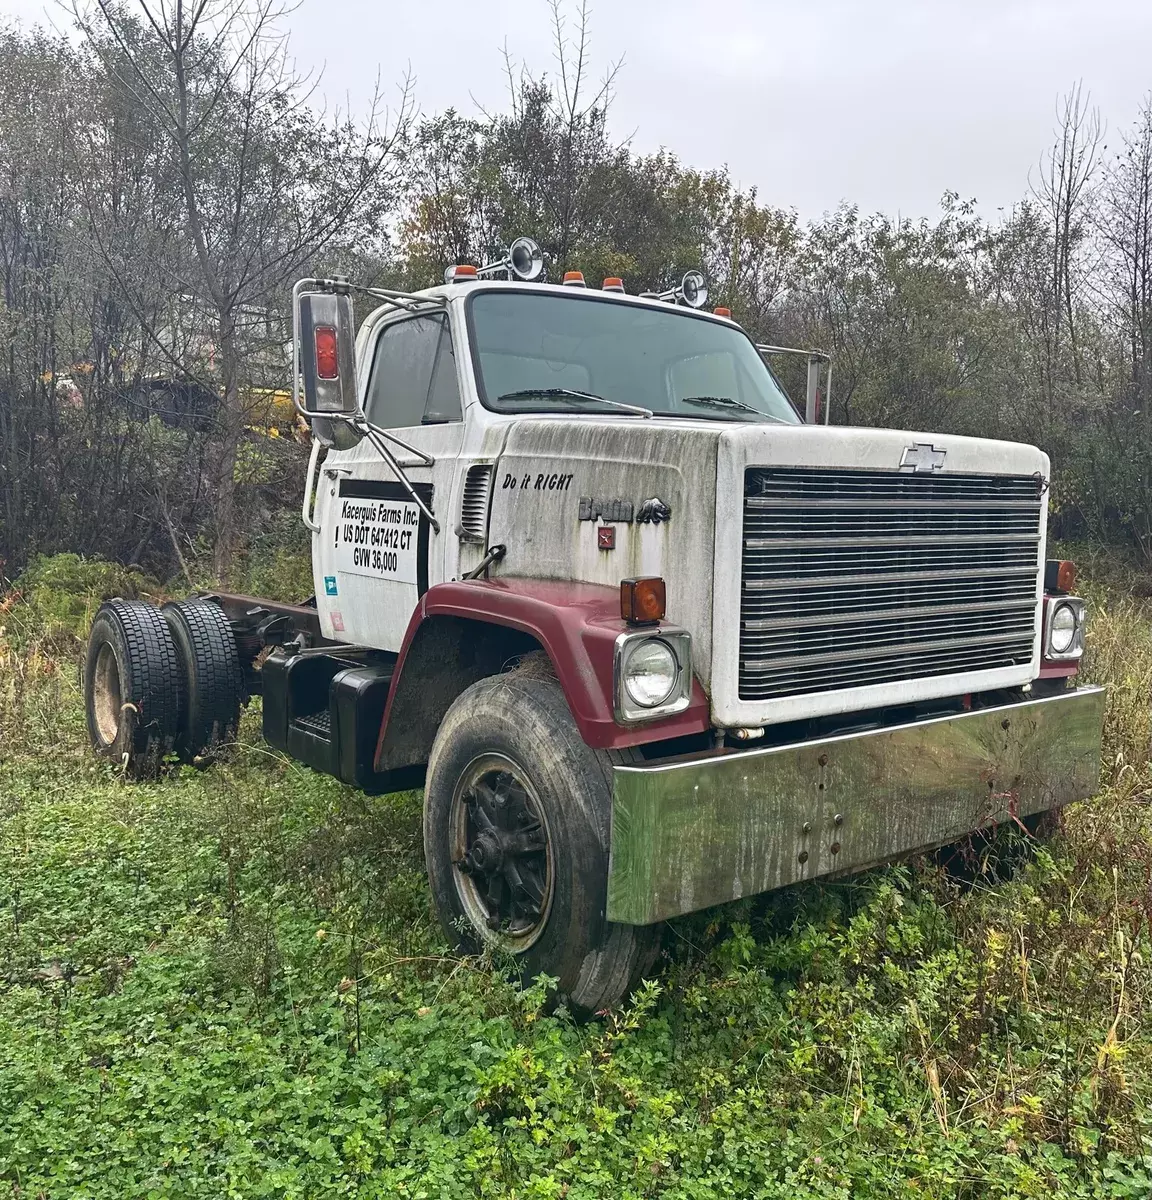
1119,656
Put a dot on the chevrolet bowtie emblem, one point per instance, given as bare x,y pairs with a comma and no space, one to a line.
922,458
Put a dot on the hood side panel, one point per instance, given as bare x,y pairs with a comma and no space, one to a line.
549,467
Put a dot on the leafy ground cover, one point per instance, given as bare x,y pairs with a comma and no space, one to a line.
230,983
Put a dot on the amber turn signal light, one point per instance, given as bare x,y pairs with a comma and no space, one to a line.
1059,575
642,601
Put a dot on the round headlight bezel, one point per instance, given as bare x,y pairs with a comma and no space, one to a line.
633,655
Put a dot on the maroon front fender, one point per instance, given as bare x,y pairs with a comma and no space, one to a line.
577,625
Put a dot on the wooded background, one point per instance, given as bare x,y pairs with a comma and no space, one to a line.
165,176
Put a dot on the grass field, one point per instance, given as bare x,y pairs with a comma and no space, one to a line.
230,983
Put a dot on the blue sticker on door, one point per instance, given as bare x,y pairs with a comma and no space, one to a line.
329,585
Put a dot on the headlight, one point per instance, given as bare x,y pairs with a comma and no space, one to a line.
653,674
1062,633
650,671
1063,628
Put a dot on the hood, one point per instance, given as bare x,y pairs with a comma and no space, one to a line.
604,499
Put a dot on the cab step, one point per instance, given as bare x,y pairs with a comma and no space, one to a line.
326,710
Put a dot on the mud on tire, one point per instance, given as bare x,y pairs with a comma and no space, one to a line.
210,675
132,687
517,816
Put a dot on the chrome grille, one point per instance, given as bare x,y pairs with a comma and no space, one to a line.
854,577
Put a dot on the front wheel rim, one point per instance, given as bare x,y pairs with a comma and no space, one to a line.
501,852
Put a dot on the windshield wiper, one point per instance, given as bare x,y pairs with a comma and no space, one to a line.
721,402
544,393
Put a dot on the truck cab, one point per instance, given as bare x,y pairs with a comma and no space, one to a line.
650,639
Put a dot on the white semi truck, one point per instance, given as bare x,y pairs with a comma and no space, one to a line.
649,640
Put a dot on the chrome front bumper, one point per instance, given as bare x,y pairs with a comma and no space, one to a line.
694,832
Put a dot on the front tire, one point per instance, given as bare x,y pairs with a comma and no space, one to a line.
517,813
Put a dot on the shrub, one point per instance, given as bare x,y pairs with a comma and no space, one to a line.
56,596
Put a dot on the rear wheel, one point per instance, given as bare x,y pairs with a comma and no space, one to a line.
131,686
517,814
210,668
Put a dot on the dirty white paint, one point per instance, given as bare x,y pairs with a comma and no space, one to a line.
614,459
545,464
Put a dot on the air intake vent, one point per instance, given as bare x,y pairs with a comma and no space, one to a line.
473,525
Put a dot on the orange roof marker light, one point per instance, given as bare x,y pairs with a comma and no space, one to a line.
574,279
612,284
720,311
461,273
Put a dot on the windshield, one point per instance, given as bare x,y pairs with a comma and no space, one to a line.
536,351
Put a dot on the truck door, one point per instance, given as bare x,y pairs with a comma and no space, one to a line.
375,553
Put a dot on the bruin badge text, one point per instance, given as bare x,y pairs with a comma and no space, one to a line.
651,512
543,482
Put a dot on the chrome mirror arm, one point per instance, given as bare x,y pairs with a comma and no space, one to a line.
426,459
376,437
379,439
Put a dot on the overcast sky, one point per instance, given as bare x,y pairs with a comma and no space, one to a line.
886,104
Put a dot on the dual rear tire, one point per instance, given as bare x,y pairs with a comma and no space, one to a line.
212,683
159,682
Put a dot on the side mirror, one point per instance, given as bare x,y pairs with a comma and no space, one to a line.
325,332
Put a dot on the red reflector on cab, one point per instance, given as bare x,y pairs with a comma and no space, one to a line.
327,360
642,601
723,312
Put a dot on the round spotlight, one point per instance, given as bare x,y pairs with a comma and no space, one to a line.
694,290
526,258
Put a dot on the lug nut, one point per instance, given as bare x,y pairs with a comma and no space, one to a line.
802,857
